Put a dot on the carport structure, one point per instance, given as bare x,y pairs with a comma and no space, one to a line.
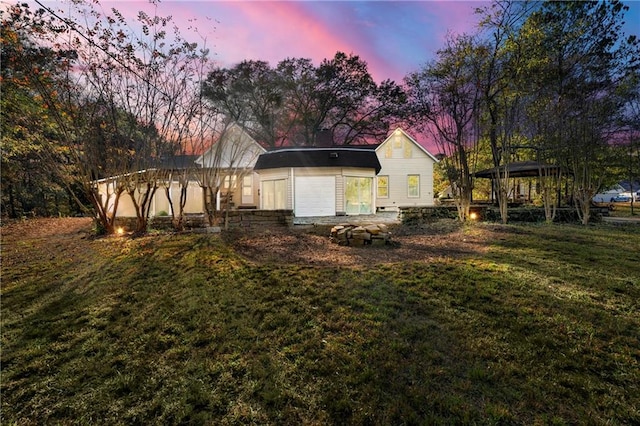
517,170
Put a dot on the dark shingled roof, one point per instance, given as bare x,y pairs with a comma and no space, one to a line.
520,169
179,162
319,157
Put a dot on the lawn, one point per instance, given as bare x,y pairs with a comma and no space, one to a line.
479,324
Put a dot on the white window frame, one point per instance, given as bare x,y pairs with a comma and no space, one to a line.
247,186
410,193
385,186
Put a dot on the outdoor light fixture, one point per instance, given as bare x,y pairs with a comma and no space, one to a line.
120,230
473,216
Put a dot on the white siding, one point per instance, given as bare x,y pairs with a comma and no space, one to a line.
337,173
398,168
235,149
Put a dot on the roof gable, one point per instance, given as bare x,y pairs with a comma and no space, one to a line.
399,130
234,149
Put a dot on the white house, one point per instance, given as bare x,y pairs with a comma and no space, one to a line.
233,158
229,162
349,180
406,178
318,181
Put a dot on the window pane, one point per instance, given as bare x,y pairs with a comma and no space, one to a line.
246,185
408,149
388,152
268,195
280,194
413,183
397,141
365,192
383,186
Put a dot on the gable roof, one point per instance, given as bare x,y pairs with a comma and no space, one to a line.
319,157
238,150
399,130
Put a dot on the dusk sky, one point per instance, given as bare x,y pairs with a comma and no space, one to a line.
394,38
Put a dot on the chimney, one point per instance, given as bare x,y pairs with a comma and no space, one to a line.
324,138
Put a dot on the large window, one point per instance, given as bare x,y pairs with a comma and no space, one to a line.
413,186
383,186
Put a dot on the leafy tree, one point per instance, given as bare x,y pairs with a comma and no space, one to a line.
445,94
577,57
32,179
298,103
499,58
248,93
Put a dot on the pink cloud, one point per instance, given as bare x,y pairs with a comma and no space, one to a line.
275,31
394,38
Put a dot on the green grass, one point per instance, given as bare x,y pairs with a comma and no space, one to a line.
543,328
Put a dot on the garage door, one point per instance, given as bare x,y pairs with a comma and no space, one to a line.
315,196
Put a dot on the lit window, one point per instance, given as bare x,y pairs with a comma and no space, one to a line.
408,149
229,182
383,186
413,186
247,183
397,141
388,152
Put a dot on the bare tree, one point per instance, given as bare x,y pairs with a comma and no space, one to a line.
229,158
125,104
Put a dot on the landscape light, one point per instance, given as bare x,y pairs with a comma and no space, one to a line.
120,230
473,216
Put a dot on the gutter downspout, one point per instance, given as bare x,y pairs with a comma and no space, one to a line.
293,191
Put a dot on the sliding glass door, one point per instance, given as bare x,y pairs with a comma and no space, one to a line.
358,195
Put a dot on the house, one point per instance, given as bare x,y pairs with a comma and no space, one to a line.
406,177
317,181
227,164
159,205
233,159
347,180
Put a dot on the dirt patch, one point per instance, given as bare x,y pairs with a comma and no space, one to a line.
312,246
276,245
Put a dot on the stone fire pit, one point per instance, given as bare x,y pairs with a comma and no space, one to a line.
360,235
